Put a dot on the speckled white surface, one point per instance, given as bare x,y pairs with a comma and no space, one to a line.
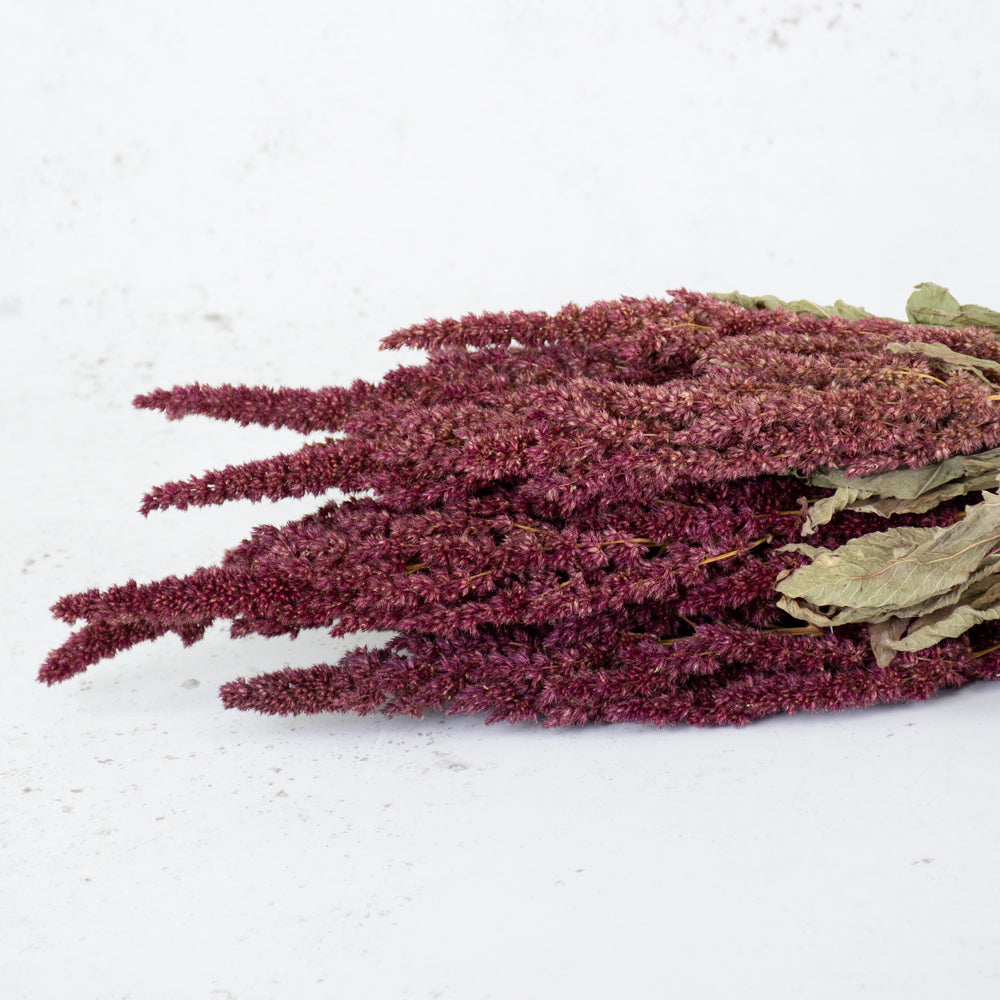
249,191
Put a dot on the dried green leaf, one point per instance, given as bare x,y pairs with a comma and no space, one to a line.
888,506
749,301
929,304
822,511
935,306
904,484
882,634
947,359
903,491
980,316
831,616
840,308
845,311
959,594
888,571
810,308
932,305
977,605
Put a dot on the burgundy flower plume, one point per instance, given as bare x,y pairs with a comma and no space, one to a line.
575,517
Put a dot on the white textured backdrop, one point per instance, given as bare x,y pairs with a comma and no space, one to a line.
235,190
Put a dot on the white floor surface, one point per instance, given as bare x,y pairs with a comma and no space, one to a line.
224,191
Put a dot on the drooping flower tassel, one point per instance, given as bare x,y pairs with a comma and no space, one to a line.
589,516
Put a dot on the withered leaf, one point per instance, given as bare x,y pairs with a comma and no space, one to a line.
840,308
934,305
903,491
946,359
913,586
979,603
929,304
886,572
882,634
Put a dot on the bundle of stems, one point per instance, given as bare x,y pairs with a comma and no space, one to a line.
575,517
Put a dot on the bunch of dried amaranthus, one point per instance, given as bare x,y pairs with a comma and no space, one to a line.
593,516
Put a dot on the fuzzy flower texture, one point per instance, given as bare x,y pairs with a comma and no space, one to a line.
570,518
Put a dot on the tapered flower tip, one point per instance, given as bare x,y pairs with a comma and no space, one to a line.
170,401
158,499
73,607
287,692
241,694
59,665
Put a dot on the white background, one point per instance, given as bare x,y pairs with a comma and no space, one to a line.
234,190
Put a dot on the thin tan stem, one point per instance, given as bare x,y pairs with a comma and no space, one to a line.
983,652
734,552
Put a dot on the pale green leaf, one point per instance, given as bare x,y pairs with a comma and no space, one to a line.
980,316
839,308
822,511
929,304
889,506
903,491
813,551
905,484
959,594
936,306
951,621
844,311
903,566
932,305
829,616
947,359
810,308
882,634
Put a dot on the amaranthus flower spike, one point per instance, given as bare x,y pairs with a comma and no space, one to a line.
593,516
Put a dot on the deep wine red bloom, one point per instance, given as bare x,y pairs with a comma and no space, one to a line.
571,518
